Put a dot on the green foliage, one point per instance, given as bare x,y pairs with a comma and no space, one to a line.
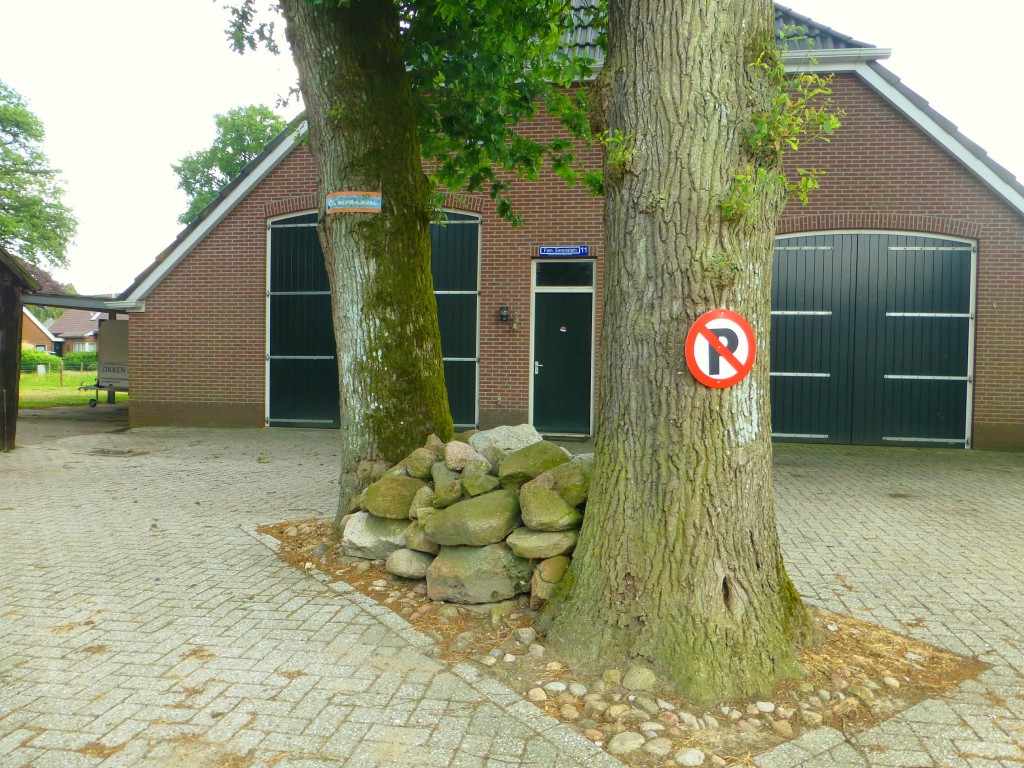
242,134
80,361
800,110
477,69
42,314
34,222
30,358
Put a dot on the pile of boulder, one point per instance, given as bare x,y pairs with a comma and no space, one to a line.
483,518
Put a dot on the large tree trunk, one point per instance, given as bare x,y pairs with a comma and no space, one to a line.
362,134
679,565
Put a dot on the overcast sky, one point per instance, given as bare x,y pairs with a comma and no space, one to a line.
127,87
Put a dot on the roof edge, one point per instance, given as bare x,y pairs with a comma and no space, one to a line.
917,109
39,325
133,297
12,262
69,301
828,60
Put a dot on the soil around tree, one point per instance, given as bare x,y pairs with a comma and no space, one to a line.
858,676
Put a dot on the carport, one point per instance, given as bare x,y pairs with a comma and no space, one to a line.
10,369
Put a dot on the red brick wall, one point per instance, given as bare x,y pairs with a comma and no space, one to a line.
554,215
884,173
31,336
198,351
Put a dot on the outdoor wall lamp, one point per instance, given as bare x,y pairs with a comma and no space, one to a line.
506,315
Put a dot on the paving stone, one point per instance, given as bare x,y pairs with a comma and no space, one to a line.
192,621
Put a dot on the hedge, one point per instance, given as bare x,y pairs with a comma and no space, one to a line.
30,358
80,361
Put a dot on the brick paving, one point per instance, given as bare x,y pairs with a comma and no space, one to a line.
142,622
929,543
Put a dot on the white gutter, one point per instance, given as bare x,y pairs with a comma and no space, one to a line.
832,59
127,306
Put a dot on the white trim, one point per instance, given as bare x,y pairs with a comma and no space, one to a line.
280,152
830,59
950,440
127,306
946,315
901,232
39,325
534,290
971,330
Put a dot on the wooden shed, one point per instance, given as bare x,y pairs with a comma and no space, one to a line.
14,280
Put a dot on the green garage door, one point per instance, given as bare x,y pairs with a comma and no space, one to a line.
871,338
454,264
303,370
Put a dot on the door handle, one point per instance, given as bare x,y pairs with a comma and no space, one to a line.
536,367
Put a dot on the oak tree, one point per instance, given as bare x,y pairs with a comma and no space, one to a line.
388,84
35,224
242,133
679,565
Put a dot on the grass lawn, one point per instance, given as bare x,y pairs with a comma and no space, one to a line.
45,391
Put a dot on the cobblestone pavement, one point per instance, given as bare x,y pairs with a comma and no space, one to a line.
143,623
930,543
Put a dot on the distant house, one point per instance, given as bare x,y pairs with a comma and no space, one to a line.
78,329
36,335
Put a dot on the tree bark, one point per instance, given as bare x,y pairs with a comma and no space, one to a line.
679,565
362,134
10,356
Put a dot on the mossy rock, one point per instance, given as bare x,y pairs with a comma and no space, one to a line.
373,538
541,545
464,437
391,496
546,576
408,563
419,463
440,473
544,510
476,483
571,480
495,444
447,493
525,464
424,498
475,522
470,575
416,538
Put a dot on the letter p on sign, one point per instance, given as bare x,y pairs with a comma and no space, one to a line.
720,348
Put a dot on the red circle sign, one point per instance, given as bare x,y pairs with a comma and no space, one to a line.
720,348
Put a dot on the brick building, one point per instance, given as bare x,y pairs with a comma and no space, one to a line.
36,335
898,301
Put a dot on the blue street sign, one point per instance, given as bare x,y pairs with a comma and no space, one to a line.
562,251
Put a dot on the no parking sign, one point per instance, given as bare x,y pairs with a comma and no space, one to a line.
720,348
